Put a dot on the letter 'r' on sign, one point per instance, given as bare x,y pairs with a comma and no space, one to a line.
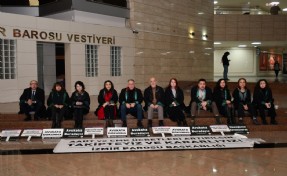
2,31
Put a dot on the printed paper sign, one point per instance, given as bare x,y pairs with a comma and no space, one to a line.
117,132
11,133
52,133
160,130
180,131
139,132
200,130
95,131
219,128
240,129
73,133
31,132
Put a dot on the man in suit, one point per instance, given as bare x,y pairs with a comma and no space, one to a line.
32,99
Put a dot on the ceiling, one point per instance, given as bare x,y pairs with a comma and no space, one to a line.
248,4
239,6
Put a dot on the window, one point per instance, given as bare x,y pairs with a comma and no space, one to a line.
7,59
91,61
115,61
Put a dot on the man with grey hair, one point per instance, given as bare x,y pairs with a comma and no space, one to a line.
154,101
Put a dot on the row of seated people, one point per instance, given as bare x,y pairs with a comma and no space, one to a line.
169,101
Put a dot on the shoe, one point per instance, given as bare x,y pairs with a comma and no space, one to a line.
264,122
255,122
240,121
149,124
124,123
28,118
139,124
217,119
273,122
160,123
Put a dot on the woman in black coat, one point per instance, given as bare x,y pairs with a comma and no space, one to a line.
80,103
263,100
222,98
108,98
174,101
59,102
242,101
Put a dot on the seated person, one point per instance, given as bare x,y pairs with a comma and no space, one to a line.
154,98
80,100
59,102
263,100
32,99
242,101
201,98
108,98
174,101
130,102
222,98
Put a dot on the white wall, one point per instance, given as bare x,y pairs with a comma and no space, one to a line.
243,62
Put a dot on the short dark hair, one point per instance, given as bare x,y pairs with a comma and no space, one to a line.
201,79
81,84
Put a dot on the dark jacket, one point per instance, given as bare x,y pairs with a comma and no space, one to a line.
39,95
148,96
220,96
101,97
84,98
194,95
237,100
169,98
262,96
131,96
225,60
60,98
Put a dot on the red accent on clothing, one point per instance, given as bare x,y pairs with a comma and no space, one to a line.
101,113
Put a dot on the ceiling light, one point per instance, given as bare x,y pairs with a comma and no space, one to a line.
215,2
256,43
217,43
285,9
242,46
139,23
200,13
208,48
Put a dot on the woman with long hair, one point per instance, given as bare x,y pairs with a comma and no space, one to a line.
174,101
80,103
263,100
242,101
108,98
222,98
59,102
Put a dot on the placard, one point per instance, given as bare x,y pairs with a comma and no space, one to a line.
139,132
161,130
31,133
240,129
52,133
10,134
219,128
151,144
200,130
180,131
73,133
94,132
117,132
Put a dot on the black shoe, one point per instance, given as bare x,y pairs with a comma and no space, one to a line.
255,122
160,123
273,122
28,118
217,119
124,123
139,124
264,122
149,124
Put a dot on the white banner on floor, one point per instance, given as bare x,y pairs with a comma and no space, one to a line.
151,143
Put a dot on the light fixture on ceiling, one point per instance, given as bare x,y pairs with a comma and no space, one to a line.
192,34
242,46
204,36
256,43
215,2
285,9
217,43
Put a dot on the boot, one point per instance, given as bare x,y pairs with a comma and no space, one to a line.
124,123
179,123
184,123
273,121
264,121
149,124
111,123
217,119
139,124
160,123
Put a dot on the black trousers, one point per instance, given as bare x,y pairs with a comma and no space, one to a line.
39,109
57,116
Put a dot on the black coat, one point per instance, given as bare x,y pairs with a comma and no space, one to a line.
262,96
148,96
60,98
131,96
169,98
237,100
220,96
27,94
84,98
101,97
194,95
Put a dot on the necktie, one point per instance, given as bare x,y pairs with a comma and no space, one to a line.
33,94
